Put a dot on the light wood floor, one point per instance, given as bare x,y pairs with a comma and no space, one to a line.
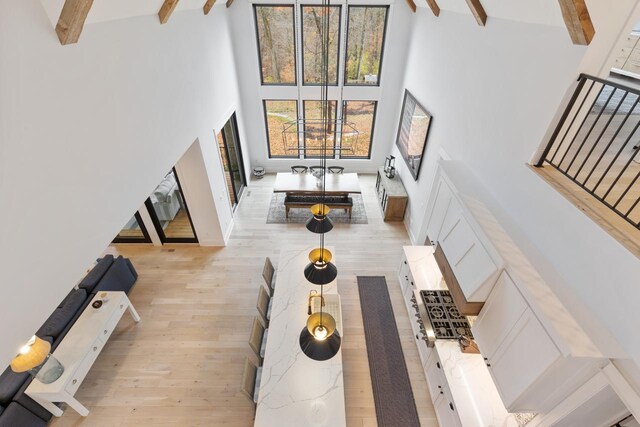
182,364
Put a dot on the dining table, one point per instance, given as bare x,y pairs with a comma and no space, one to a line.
295,390
306,183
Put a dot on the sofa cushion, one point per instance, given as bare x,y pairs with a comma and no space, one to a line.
10,383
61,316
118,278
93,277
15,415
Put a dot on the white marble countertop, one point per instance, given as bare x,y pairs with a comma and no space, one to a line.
472,388
424,269
474,392
296,390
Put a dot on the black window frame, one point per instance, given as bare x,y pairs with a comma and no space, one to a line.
237,194
156,223
373,128
295,47
302,6
266,127
346,46
335,140
145,239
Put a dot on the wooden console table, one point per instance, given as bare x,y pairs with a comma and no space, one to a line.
391,196
79,350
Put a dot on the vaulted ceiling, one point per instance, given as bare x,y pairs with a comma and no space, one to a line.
70,16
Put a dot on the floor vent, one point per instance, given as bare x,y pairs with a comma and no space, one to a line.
248,193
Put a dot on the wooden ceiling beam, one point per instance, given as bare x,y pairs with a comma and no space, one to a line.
229,3
478,11
208,5
434,7
166,10
71,22
412,5
578,21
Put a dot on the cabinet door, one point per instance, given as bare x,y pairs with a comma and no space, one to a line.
446,412
500,313
523,357
435,377
469,260
442,197
403,272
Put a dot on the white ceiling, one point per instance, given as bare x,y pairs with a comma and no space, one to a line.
543,12
108,10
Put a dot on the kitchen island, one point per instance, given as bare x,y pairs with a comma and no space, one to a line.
294,389
461,386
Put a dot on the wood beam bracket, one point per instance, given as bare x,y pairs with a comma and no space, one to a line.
478,12
208,5
71,22
578,21
166,10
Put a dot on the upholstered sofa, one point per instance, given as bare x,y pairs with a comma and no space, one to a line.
109,274
166,199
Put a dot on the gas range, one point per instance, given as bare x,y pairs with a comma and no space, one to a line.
442,320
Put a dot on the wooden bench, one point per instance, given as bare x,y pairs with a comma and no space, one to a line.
292,201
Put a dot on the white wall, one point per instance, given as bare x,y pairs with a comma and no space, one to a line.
244,40
493,92
87,131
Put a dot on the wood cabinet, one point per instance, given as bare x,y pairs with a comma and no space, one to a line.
475,266
391,196
529,371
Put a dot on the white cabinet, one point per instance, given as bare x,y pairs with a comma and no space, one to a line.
529,371
441,196
500,313
472,263
440,393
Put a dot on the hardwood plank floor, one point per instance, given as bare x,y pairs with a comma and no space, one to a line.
182,364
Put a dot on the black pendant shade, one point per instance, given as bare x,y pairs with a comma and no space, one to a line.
319,349
321,275
319,225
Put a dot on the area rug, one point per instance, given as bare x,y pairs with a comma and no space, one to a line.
392,394
277,213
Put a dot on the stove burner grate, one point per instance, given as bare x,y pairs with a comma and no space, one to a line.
444,316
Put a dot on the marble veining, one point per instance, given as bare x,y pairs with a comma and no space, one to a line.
294,389
472,389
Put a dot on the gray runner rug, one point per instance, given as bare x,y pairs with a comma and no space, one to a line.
395,405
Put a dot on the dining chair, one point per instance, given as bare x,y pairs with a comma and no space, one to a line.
312,169
264,305
335,169
298,169
268,273
251,381
258,339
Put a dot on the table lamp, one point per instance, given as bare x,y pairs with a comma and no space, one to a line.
35,358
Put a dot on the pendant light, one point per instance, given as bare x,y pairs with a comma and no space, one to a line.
320,339
319,222
320,271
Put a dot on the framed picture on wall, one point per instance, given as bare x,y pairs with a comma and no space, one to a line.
413,132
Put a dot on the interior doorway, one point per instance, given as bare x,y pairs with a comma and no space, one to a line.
231,154
169,212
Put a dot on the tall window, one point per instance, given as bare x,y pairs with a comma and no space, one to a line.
365,39
312,44
279,114
314,132
362,115
276,44
288,35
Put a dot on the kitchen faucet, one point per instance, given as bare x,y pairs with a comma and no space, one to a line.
314,294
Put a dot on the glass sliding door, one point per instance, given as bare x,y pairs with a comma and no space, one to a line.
169,212
229,145
133,231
